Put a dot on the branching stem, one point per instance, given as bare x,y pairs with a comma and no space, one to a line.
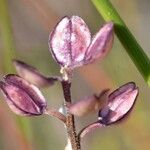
70,123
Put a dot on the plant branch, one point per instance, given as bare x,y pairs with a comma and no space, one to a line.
88,129
70,123
55,113
135,51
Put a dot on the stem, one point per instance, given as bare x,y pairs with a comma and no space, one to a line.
89,128
55,113
70,123
129,42
6,37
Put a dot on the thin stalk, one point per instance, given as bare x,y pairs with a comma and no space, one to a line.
134,50
6,36
89,128
55,113
70,123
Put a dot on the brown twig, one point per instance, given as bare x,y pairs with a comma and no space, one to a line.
70,123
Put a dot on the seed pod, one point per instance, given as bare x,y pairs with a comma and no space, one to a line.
32,75
120,103
22,97
101,43
71,46
88,104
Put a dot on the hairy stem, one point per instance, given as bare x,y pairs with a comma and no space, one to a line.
70,123
135,51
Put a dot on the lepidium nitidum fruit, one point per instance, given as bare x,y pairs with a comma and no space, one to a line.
32,75
88,104
117,107
119,104
71,45
22,97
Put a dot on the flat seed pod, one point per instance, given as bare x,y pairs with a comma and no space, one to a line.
71,46
89,104
22,97
32,75
80,39
59,42
101,43
120,103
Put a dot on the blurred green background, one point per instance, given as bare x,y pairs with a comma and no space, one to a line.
24,29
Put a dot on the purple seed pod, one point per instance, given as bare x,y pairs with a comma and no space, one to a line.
88,104
22,97
101,43
119,104
71,45
32,75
